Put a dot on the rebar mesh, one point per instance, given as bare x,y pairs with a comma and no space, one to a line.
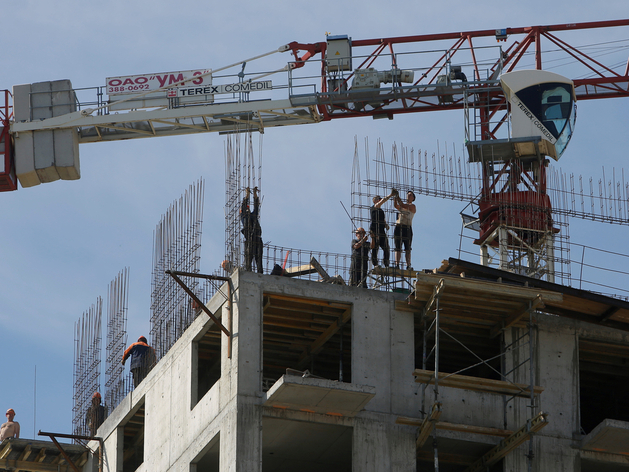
87,358
176,246
116,386
242,170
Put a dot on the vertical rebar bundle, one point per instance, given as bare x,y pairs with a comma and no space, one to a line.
117,307
87,357
176,246
242,170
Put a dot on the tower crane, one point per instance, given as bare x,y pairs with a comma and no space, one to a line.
517,113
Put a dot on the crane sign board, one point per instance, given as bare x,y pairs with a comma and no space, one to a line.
146,82
241,87
188,87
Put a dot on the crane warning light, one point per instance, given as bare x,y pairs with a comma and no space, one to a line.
501,34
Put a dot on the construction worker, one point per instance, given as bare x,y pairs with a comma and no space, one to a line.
142,359
360,259
10,429
378,230
95,414
403,232
251,230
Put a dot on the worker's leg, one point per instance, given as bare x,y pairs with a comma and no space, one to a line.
374,248
259,246
384,243
397,239
407,245
248,254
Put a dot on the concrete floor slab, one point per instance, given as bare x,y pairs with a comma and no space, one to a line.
318,395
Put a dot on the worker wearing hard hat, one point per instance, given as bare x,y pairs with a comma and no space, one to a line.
142,359
10,429
252,230
360,259
95,414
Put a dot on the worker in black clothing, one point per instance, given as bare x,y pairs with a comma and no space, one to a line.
251,230
360,259
378,230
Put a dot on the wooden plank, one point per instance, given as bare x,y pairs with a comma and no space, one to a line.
463,428
307,301
403,305
83,459
317,345
505,446
41,455
315,263
303,269
490,288
428,424
516,317
30,466
6,450
475,383
25,453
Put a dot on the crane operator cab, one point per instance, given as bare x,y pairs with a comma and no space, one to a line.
514,208
541,104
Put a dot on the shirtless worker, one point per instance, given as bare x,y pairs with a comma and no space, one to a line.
10,429
403,232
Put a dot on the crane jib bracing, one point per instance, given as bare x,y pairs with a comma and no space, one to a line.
337,78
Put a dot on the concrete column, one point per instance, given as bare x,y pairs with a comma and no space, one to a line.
380,446
556,369
383,357
241,426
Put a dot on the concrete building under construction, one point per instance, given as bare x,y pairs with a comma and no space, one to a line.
315,376
497,366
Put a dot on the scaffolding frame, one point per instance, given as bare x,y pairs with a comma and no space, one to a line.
431,323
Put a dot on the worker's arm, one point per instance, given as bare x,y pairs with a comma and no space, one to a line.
127,353
360,242
384,200
397,203
245,203
17,430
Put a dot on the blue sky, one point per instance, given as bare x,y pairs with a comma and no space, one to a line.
64,242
